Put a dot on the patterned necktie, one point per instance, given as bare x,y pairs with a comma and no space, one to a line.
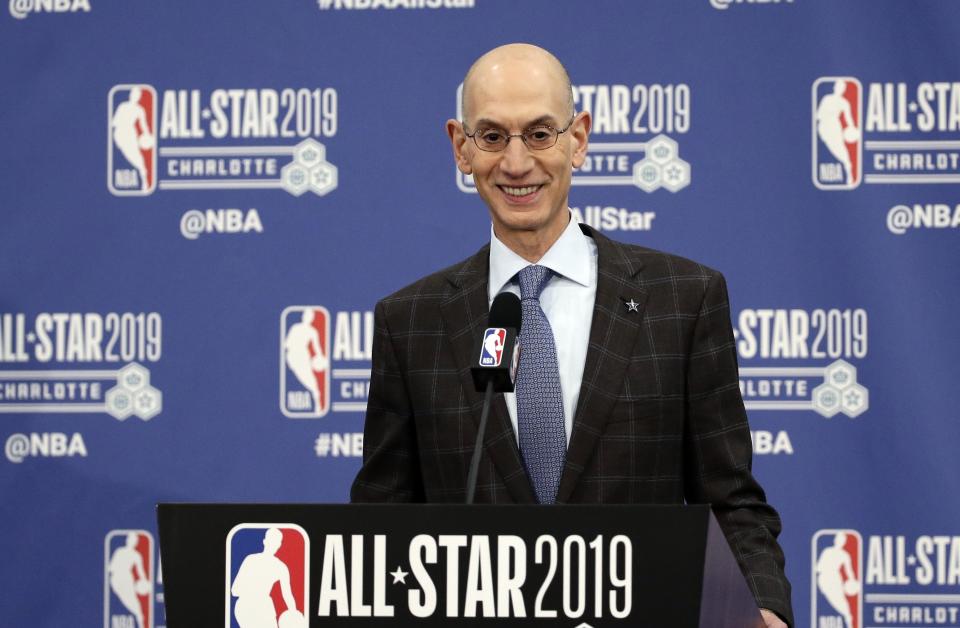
543,440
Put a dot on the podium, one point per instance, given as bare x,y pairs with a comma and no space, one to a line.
298,565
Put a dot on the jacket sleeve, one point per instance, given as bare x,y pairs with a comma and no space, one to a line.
719,454
391,470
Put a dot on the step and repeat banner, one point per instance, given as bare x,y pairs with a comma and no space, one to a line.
200,204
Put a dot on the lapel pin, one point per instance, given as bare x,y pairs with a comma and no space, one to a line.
632,305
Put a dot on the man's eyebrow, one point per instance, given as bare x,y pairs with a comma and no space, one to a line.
486,123
547,119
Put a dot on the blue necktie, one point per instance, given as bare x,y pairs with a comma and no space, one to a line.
543,439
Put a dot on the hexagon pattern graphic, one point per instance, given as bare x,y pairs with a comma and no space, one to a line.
840,392
133,395
661,167
309,170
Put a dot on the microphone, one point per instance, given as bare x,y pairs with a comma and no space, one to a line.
496,368
498,350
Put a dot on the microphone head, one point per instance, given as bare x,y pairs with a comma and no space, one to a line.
499,349
505,311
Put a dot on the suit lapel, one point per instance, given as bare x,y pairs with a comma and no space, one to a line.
613,330
465,315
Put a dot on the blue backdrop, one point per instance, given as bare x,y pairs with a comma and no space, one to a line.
201,203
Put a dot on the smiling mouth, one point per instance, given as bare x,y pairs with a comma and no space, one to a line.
519,192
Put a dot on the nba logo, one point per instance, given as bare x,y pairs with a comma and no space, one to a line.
305,361
837,579
131,140
837,133
268,572
128,579
492,351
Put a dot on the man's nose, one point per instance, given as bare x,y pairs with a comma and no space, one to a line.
517,160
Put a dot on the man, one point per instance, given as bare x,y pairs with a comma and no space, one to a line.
627,388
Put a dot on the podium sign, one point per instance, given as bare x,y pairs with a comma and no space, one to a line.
288,566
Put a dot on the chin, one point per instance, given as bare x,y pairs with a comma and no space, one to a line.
526,221
522,218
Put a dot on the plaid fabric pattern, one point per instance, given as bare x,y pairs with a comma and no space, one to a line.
659,419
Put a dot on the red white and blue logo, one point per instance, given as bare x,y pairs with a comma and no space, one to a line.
132,140
837,133
268,572
305,361
128,579
492,352
837,587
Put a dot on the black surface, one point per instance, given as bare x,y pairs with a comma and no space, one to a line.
669,546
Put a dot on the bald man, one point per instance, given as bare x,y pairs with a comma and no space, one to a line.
627,389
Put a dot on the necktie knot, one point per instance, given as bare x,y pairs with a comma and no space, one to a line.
532,279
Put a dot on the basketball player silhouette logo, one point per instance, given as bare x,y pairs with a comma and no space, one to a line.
492,347
129,578
837,129
305,348
132,151
268,576
837,578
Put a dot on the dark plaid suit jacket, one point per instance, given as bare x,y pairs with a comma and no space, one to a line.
659,420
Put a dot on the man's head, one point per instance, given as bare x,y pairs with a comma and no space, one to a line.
510,90
528,51
272,540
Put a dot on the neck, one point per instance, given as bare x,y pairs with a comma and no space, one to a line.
532,245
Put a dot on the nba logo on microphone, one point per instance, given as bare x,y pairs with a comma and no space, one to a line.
492,351
128,579
132,140
837,133
837,572
305,361
268,576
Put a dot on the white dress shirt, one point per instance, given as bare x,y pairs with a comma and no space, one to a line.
567,300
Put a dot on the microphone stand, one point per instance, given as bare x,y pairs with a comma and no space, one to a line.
478,446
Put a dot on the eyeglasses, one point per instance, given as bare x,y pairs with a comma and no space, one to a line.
538,137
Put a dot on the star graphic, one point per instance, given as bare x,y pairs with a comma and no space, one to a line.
632,306
399,575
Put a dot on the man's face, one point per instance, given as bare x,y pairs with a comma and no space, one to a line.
526,190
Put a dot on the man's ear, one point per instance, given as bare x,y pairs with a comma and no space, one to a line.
579,134
458,140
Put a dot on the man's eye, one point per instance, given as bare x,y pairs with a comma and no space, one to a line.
491,137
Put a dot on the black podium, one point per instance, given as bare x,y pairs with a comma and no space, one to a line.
251,565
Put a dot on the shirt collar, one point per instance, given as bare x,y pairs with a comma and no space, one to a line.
569,257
